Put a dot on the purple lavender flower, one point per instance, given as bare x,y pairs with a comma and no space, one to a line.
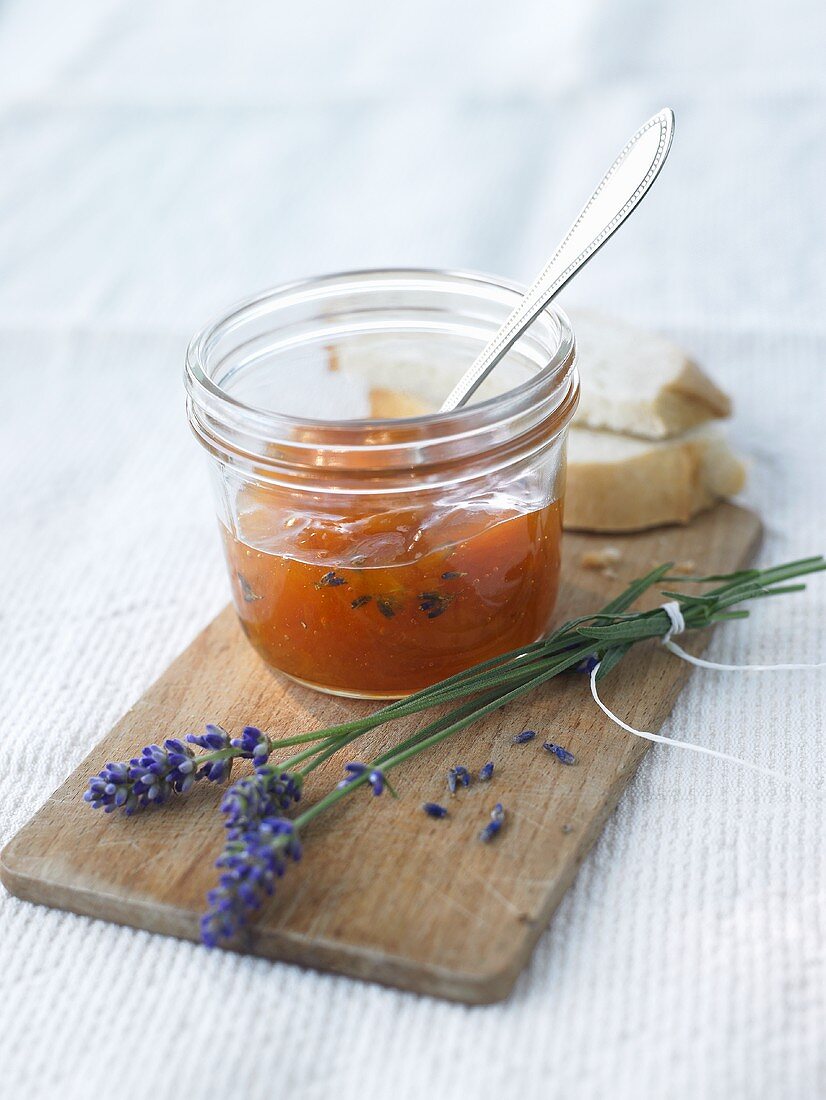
250,864
487,771
158,771
458,776
377,780
565,756
587,664
352,773
216,739
266,794
433,809
182,773
112,790
355,770
523,737
494,826
149,778
254,744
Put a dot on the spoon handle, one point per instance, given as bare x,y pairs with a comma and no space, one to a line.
619,192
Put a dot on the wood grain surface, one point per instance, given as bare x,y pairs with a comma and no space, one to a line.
383,892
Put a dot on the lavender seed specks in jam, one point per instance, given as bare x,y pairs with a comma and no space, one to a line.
246,589
331,579
433,603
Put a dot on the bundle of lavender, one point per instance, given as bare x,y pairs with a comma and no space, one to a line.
261,839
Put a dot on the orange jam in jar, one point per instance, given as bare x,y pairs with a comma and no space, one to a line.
391,602
373,554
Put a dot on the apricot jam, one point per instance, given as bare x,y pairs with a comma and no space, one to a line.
382,605
375,545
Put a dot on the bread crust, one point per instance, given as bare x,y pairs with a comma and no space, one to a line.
639,383
646,485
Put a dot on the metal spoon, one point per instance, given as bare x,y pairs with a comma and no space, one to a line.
620,191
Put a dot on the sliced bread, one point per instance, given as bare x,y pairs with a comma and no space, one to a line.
639,383
616,483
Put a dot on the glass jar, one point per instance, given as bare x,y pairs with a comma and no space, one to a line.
375,546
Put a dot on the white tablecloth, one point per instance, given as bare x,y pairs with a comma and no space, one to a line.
161,159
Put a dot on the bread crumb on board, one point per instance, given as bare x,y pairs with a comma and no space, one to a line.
602,559
680,568
684,568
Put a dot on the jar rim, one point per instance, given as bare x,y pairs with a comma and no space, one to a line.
201,388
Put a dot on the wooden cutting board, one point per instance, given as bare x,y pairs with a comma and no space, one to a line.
383,892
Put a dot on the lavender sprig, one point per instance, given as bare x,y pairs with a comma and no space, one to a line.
160,771
149,778
268,793
249,864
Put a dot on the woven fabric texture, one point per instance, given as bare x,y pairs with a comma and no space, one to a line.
162,159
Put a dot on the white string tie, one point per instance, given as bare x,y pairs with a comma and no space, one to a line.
675,616
676,627
658,738
698,662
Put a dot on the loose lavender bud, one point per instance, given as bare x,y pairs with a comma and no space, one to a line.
523,737
254,744
565,756
458,776
267,793
433,809
250,864
487,771
494,826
